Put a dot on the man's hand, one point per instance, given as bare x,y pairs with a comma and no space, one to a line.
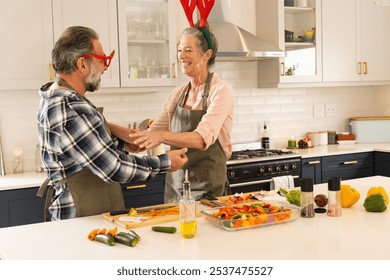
178,158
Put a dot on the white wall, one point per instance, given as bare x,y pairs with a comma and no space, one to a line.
290,111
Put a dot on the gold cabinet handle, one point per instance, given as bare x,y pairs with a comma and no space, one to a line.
283,69
350,162
365,64
135,187
314,162
174,70
360,67
52,73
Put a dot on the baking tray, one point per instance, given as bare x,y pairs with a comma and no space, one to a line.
288,213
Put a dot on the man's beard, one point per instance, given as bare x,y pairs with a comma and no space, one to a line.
92,82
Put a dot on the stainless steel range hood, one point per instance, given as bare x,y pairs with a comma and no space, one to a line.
235,43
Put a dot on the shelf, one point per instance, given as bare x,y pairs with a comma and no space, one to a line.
299,45
146,42
297,10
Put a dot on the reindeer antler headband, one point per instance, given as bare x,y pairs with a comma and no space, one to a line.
204,7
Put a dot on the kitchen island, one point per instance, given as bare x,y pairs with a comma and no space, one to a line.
356,235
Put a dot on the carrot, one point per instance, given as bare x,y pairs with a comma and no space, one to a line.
102,231
92,234
112,232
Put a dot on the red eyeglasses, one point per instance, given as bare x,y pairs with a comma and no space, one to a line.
106,59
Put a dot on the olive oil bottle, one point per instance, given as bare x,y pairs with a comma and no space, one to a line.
187,208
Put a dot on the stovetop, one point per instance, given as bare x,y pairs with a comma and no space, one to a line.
255,155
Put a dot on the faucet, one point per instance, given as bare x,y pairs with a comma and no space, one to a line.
2,167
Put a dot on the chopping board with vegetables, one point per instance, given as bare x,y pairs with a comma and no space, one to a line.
145,216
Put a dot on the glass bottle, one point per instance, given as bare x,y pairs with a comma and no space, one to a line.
307,198
265,138
17,165
334,197
187,208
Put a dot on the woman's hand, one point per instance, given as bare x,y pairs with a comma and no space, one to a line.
146,139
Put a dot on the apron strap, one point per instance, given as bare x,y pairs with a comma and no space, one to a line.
49,196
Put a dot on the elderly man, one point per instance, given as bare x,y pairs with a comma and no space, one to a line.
83,160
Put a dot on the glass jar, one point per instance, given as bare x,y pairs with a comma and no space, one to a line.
307,198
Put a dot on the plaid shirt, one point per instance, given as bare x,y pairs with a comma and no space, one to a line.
72,135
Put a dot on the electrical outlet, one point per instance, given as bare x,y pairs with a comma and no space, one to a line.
330,110
319,111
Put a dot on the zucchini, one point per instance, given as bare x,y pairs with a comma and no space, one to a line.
106,239
135,234
126,239
164,229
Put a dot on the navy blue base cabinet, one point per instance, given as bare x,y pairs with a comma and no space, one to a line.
20,207
382,164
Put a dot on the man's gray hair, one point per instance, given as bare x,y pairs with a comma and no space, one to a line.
75,42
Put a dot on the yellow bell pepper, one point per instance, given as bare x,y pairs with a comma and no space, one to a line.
380,190
349,196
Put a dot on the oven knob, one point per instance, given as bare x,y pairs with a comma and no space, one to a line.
294,166
269,169
262,170
278,168
285,167
231,174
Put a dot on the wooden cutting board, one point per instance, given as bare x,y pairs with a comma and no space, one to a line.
152,220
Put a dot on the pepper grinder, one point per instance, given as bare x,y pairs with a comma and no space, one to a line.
307,198
334,197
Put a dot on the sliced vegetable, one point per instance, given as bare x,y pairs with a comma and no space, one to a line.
102,231
126,239
164,229
134,233
112,232
106,239
92,234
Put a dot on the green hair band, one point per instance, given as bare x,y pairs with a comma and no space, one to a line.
207,35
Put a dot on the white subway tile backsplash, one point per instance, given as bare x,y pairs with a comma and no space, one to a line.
289,111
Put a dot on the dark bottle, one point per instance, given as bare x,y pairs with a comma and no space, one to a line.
334,197
307,198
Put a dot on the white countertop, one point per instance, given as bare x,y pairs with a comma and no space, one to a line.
22,180
35,179
331,150
356,235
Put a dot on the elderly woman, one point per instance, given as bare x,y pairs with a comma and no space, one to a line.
199,116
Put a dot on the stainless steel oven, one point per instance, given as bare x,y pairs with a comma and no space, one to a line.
254,169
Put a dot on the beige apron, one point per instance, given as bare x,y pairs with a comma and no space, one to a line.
206,169
91,194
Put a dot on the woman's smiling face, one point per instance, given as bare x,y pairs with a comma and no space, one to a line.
191,60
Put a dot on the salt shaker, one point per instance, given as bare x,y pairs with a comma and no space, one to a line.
307,198
334,197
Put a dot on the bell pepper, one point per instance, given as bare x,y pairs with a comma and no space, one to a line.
349,196
375,203
379,190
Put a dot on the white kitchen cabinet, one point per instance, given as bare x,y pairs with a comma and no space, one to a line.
356,41
147,43
27,40
302,63
100,15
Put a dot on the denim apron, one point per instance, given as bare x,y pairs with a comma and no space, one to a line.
206,169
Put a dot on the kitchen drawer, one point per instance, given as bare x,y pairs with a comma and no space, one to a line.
141,193
348,166
311,168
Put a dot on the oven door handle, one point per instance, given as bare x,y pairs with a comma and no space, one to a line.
254,182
